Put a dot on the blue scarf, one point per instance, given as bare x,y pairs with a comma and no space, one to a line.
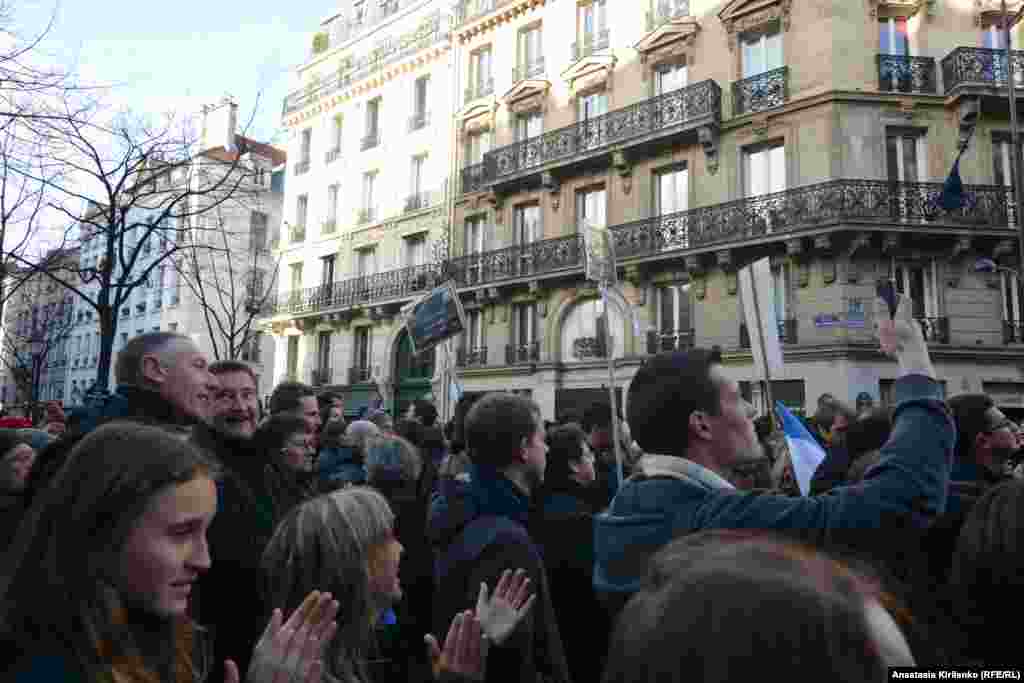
494,494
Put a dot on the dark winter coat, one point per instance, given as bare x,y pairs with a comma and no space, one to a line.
478,530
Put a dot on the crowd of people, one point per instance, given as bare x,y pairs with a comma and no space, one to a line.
176,530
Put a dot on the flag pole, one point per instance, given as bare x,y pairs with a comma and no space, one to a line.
1015,165
767,381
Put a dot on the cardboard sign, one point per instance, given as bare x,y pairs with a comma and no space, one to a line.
599,254
435,317
756,290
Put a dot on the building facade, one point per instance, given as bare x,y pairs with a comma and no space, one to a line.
366,199
707,135
36,336
216,284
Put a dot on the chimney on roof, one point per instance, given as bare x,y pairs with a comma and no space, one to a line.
219,124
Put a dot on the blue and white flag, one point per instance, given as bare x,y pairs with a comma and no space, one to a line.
804,450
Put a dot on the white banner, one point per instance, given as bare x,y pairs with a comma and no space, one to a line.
763,329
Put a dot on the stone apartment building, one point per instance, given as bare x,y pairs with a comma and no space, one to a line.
706,135
365,208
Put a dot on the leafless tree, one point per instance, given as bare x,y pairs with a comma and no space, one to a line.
233,282
135,194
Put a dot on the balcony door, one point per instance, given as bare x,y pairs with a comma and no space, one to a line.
675,317
526,223
764,173
906,163
362,353
592,208
920,283
476,242
323,357
762,51
669,77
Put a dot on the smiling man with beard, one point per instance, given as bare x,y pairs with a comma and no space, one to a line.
249,504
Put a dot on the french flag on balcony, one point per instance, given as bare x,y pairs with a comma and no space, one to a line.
805,453
952,197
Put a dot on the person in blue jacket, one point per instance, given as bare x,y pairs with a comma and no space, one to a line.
694,424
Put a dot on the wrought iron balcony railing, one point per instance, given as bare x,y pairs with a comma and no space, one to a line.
297,234
359,291
420,200
332,155
329,226
474,177
359,374
588,348
543,256
320,377
698,102
1013,332
935,330
979,66
302,167
522,353
901,73
370,140
531,69
468,358
481,88
670,341
761,92
419,120
590,44
666,10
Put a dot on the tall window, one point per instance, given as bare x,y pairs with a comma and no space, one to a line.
293,358
591,207
477,144
295,270
764,169
415,250
332,205
475,238
323,352
762,50
336,129
531,60
905,153
527,226
306,141
1002,160
416,176
474,339
671,190
362,348
675,313
301,210
366,262
480,72
528,125
669,77
327,269
893,38
372,137
419,100
592,19
1012,309
524,324
590,106
369,183
920,283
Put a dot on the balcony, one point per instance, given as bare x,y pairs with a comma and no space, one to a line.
329,226
665,12
474,178
901,73
588,348
645,123
761,92
589,45
419,120
367,215
359,374
369,141
482,88
358,291
302,167
534,69
979,69
470,9
516,354
297,234
935,330
658,342
332,155
471,358
420,200
320,377
1013,332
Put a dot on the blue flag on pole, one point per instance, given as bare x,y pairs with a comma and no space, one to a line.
952,197
804,450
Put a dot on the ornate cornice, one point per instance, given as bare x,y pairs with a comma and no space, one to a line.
493,20
899,8
668,39
743,15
